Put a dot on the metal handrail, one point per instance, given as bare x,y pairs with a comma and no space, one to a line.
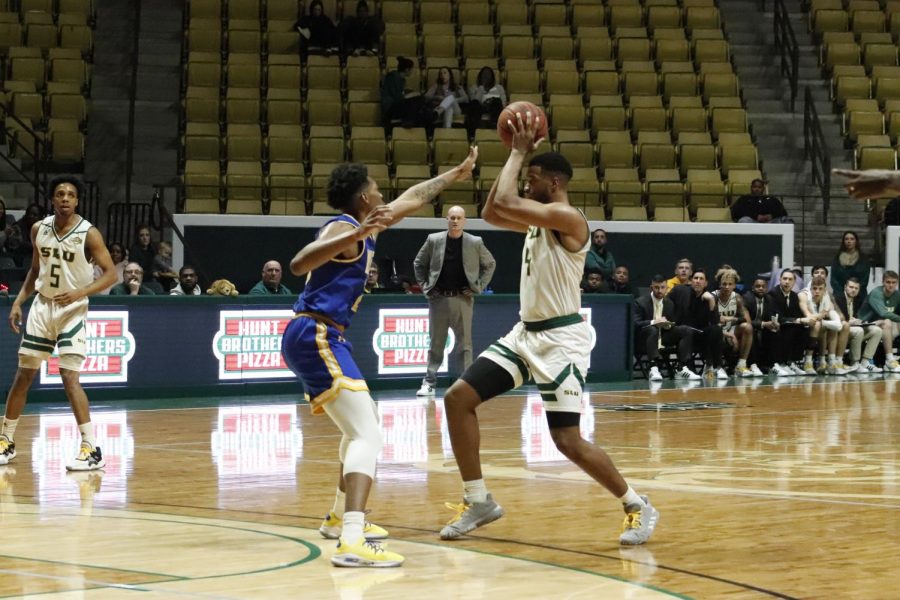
815,149
786,42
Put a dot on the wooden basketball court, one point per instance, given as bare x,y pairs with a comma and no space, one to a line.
765,491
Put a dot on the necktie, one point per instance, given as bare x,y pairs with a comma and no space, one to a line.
657,313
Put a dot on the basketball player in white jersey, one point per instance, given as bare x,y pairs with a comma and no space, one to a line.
62,275
551,343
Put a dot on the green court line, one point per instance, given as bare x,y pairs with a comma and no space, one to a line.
87,566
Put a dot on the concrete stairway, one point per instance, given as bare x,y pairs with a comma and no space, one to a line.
779,132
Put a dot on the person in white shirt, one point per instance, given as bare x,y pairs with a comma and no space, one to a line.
826,326
187,283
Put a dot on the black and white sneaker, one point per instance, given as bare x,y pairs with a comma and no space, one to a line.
88,459
7,450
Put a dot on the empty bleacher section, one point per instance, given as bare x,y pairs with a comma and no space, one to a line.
642,98
47,48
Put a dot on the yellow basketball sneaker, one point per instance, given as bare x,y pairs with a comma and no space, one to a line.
7,450
332,526
365,553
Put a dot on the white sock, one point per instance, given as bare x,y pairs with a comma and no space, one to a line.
475,491
809,355
87,434
631,498
832,359
742,363
339,499
890,357
9,428
352,531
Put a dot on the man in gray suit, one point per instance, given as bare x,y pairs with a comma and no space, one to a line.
452,266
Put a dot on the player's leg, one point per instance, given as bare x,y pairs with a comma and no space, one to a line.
871,335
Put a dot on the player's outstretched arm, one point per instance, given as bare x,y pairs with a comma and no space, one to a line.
339,239
871,183
509,205
100,255
423,193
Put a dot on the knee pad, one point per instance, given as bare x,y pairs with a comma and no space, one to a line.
355,415
71,362
29,361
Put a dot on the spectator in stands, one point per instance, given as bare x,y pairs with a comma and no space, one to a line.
737,331
696,308
143,251
397,102
819,271
6,223
850,262
163,272
360,34
593,282
797,272
18,240
486,101
620,282
133,285
655,328
684,268
791,332
372,282
187,283
759,207
826,329
761,311
445,97
849,304
117,254
270,285
598,257
881,308
318,35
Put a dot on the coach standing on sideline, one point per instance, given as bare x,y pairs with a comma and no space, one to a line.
452,266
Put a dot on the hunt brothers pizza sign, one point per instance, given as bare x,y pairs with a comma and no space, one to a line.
248,344
402,341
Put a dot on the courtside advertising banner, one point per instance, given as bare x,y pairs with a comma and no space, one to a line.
110,346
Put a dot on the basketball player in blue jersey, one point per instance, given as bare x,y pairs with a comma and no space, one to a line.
65,245
551,343
337,263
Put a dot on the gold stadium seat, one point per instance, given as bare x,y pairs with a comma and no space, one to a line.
283,107
705,189
664,17
556,47
44,36
243,187
702,17
669,214
688,119
243,142
697,156
880,54
323,107
283,72
368,149
738,157
511,13
601,82
629,213
242,105
523,81
243,9
397,11
709,214
473,13
451,146
550,14
739,181
363,113
588,14
576,146
877,158
728,120
656,156
479,46
285,148
435,12
595,48
409,146
202,185
201,104
608,118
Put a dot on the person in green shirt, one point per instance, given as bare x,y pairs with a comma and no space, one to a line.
598,257
881,308
394,102
850,262
270,285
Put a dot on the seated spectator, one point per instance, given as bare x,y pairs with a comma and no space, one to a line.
397,102
445,97
881,308
133,285
684,268
696,308
18,236
620,283
163,272
6,223
737,331
593,283
819,271
117,254
318,35
791,335
598,257
850,262
188,283
143,251
360,34
759,207
849,304
270,285
761,312
486,101
797,272
825,328
655,328
372,282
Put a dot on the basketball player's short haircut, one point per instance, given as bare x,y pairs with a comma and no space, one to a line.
890,275
853,279
700,270
553,162
70,179
345,183
817,282
658,279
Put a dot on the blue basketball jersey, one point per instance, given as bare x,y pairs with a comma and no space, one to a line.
335,289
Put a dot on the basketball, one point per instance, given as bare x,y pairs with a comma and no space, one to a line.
509,114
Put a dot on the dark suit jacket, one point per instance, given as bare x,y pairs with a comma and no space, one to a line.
690,309
783,308
840,301
643,311
767,311
478,262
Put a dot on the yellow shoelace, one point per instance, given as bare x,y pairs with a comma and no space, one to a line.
460,511
84,452
4,445
632,521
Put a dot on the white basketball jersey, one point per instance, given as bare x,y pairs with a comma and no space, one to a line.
727,308
64,266
551,276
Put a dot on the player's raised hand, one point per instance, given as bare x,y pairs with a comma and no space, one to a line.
377,220
525,130
871,183
465,168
